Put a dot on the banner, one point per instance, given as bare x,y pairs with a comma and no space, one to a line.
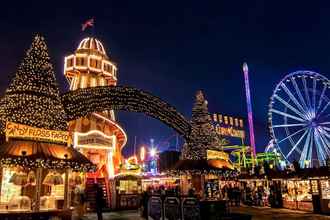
14,130
217,155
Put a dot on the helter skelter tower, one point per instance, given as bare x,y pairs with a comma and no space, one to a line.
98,135
249,108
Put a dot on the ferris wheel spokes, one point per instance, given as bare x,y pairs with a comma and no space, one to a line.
289,125
293,98
290,107
298,92
320,152
314,95
325,133
325,142
291,135
305,154
306,93
287,115
324,108
326,128
321,98
297,143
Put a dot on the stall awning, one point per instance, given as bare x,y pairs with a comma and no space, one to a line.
219,167
39,154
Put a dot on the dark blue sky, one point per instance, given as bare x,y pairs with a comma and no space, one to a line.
173,48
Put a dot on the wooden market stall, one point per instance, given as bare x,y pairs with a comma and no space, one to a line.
128,190
35,175
308,190
155,182
204,176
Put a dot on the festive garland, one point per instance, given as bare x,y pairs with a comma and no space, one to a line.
227,174
80,102
47,164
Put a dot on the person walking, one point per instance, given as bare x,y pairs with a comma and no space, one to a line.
80,202
99,201
144,203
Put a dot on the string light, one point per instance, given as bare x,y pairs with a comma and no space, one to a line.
81,102
47,164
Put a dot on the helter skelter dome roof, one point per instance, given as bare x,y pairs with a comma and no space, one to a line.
91,43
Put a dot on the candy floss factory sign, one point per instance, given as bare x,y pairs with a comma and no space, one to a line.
14,130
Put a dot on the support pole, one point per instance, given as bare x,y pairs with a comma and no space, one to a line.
38,189
67,191
1,173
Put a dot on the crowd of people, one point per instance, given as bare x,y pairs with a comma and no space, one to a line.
233,194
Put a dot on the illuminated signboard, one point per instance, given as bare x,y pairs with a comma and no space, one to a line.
228,126
14,130
216,155
94,139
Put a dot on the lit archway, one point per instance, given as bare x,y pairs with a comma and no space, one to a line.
81,102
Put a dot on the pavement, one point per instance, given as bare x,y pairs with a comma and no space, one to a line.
258,213
122,215
266,213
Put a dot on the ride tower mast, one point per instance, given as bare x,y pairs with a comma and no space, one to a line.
249,109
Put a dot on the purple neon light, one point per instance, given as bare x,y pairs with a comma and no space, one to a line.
249,107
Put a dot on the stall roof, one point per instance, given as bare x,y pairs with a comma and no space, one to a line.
217,167
285,174
39,154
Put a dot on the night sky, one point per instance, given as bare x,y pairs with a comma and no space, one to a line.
173,48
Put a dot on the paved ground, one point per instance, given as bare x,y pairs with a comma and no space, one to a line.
258,213
263,213
124,215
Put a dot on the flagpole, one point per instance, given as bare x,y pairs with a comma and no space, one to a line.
93,28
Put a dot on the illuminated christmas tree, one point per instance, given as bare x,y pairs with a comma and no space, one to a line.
33,96
203,135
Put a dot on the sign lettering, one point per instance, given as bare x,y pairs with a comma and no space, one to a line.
15,130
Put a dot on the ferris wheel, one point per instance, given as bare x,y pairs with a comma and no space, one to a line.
299,118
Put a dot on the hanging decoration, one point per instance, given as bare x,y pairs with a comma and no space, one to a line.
19,178
53,178
31,178
75,179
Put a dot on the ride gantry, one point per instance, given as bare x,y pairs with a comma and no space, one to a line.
242,156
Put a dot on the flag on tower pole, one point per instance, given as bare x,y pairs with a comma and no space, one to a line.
88,23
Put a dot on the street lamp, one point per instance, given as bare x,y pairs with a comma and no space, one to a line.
153,152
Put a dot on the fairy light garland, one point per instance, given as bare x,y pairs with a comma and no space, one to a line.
47,164
226,174
80,102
